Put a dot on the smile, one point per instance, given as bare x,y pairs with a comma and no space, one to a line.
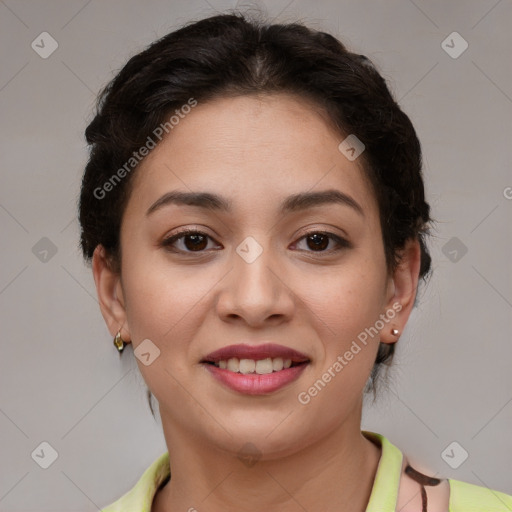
260,366
255,370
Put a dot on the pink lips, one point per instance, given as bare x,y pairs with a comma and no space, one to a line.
255,384
256,352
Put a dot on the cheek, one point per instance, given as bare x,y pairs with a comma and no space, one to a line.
162,305
350,303
345,306
167,303
345,300
161,300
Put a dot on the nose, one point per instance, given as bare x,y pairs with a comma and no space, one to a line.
256,290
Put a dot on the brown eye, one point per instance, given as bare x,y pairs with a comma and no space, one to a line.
318,241
192,241
197,242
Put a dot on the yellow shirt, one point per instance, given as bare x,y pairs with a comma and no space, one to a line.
464,497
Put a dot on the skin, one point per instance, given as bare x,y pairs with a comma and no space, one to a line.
256,151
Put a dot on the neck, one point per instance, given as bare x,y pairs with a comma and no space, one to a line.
334,474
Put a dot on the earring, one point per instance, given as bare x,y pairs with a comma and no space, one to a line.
119,342
394,332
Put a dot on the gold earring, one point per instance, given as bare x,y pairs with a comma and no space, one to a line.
119,342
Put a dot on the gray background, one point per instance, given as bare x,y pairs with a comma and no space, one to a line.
61,378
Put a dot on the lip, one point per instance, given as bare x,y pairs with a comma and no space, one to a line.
253,383
256,352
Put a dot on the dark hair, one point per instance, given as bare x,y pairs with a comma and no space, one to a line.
229,55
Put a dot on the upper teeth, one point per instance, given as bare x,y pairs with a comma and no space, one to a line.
261,366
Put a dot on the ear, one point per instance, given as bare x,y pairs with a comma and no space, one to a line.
402,287
110,294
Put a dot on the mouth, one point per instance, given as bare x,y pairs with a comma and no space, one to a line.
260,359
256,370
259,366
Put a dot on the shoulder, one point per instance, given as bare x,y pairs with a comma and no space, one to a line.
140,497
466,497
447,495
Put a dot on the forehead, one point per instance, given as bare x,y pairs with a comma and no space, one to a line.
238,126
256,147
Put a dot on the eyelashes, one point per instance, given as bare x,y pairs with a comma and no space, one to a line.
198,242
194,234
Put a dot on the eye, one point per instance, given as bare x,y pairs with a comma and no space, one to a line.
197,241
193,241
318,241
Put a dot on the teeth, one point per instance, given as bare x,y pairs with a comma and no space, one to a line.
233,364
264,366
246,366
261,366
277,364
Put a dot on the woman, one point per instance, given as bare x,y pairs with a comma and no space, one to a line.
254,211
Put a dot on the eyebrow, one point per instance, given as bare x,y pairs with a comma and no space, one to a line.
293,203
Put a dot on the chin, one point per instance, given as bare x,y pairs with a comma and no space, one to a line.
261,448
267,439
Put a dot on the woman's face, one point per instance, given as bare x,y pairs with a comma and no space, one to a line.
260,272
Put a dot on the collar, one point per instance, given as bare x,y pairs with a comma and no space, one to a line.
384,495
383,498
